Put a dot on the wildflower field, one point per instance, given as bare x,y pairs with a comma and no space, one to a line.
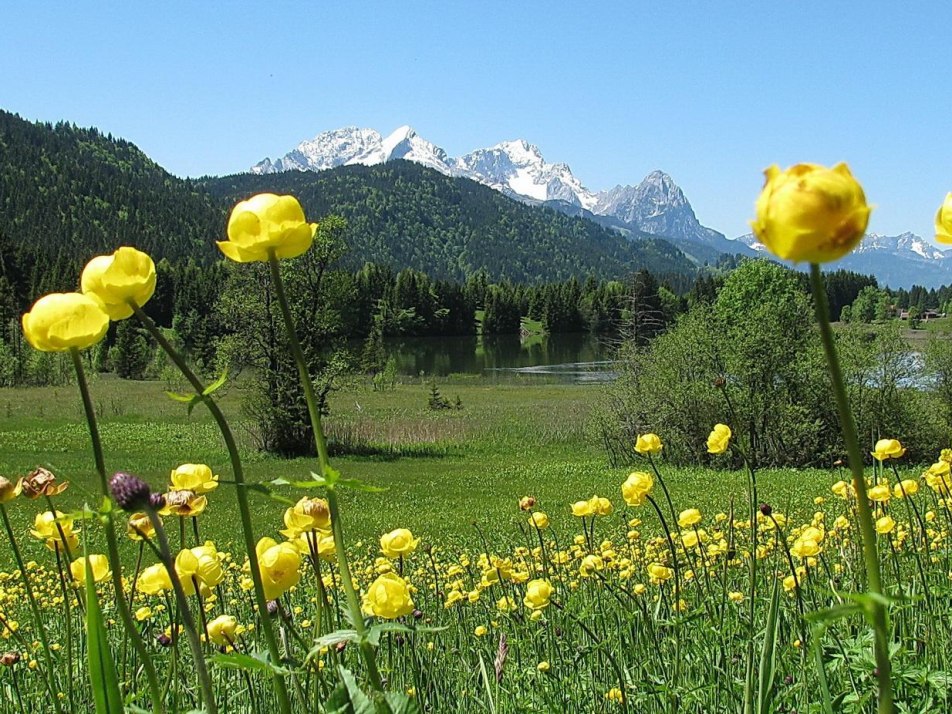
484,562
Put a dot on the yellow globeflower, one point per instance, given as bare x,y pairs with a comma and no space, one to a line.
658,573
582,509
143,613
223,630
98,564
539,520
600,506
9,490
943,221
305,516
719,439
805,548
119,280
879,492
590,564
885,525
398,543
480,630
648,444
279,564
200,566
185,504
906,487
811,213
140,525
197,478
55,527
154,580
60,321
637,487
538,594
690,517
887,449
388,597
842,489
267,222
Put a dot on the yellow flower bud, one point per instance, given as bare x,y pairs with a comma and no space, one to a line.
264,223
398,543
120,280
539,520
60,321
279,564
811,213
887,449
98,564
637,487
223,630
690,517
538,594
197,478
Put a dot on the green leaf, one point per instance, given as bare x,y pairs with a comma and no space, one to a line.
216,385
768,654
348,698
248,663
402,704
184,398
102,666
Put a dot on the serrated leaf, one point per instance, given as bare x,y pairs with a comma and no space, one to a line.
248,663
216,385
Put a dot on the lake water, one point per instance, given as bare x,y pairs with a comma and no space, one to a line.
568,358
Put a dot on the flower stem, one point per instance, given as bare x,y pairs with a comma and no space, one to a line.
244,509
112,545
867,529
353,604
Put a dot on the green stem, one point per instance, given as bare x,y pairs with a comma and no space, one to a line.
867,529
194,643
366,649
112,545
34,607
244,509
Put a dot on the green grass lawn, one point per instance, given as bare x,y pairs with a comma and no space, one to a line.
443,470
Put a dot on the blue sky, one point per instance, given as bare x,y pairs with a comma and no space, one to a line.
711,92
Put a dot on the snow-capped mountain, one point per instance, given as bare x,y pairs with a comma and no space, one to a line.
896,261
518,168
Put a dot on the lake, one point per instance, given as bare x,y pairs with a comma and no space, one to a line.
566,358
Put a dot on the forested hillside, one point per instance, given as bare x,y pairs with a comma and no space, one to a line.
68,193
404,215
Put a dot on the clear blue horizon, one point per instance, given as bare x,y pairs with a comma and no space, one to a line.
711,93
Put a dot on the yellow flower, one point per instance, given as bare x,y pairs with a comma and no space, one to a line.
9,490
811,213
938,477
55,527
98,564
946,455
279,564
538,594
267,222
398,543
658,573
388,597
887,449
690,517
637,487
480,630
197,478
719,439
943,221
305,516
590,564
185,504
879,492
117,281
200,566
539,520
841,489
805,548
154,580
454,597
60,321
885,525
600,506
140,525
543,666
223,630
506,604
143,613
615,695
582,509
906,487
648,444
735,596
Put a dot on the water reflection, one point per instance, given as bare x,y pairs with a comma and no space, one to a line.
578,357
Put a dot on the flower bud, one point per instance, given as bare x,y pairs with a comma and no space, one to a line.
766,509
8,659
163,639
130,492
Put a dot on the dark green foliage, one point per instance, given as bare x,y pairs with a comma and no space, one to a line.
501,315
436,400
131,354
67,194
405,215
